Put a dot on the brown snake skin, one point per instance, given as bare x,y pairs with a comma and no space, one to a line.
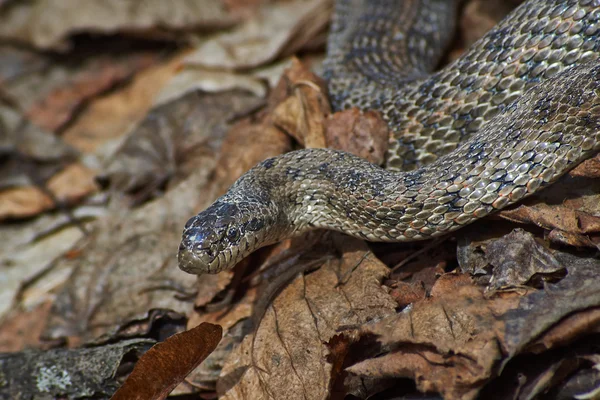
513,114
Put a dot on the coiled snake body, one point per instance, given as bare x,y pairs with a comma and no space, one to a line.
513,114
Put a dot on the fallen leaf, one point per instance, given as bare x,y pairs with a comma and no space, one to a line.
56,109
363,134
517,258
68,186
278,29
303,113
46,24
30,154
195,79
23,202
588,169
173,140
287,356
569,209
104,291
21,329
166,364
455,341
109,117
480,16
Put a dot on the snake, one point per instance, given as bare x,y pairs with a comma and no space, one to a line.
516,111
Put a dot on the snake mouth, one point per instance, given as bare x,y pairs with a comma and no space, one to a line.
195,259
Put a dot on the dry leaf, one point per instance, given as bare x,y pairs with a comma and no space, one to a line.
569,208
287,356
57,107
453,343
111,116
517,258
46,24
363,134
127,267
22,328
168,363
68,186
303,113
173,140
279,28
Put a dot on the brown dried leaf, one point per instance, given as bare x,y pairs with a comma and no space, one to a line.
364,134
588,169
569,208
278,29
166,364
46,24
446,345
68,186
480,16
112,116
287,356
22,328
59,104
23,202
303,114
569,329
173,140
517,258
541,310
408,293
453,342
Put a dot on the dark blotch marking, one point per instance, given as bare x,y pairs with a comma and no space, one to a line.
268,163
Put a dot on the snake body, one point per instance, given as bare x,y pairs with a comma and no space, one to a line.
508,118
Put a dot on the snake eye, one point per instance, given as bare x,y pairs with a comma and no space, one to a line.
233,235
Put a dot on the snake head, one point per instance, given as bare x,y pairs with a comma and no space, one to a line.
226,232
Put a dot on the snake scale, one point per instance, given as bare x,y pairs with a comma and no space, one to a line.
514,113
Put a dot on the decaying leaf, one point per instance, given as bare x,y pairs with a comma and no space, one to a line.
364,134
127,266
68,186
29,153
46,24
569,209
279,28
517,258
110,117
287,356
453,343
174,139
53,96
166,364
303,113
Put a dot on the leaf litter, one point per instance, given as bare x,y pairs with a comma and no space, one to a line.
506,308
